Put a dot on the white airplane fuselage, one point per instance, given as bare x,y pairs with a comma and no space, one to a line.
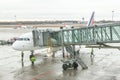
24,43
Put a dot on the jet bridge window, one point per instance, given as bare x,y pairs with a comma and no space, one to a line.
23,39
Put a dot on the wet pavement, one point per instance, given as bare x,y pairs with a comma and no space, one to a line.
106,65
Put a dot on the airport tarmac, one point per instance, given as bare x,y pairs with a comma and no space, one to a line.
106,64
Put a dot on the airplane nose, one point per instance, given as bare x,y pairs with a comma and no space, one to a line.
21,46
14,46
18,46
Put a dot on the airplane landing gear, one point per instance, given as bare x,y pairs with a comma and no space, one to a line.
22,57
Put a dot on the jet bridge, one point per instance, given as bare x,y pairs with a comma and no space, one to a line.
94,35
88,35
41,38
79,36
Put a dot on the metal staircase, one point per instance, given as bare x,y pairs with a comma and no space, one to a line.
74,55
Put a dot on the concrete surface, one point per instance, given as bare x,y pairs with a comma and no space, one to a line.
106,64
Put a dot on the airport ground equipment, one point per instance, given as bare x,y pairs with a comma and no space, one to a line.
4,42
94,35
69,64
75,55
74,58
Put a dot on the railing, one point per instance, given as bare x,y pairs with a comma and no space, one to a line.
88,35
79,36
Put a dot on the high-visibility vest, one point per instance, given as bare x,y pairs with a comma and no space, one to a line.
32,58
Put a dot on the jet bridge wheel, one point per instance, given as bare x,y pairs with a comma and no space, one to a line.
75,65
64,66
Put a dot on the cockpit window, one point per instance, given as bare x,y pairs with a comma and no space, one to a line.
23,39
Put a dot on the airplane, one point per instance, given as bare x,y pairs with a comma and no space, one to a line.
25,27
91,21
25,41
67,26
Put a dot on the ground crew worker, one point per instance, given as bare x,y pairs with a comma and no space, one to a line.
22,55
92,56
32,59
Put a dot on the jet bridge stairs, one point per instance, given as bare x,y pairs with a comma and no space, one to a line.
75,55
94,35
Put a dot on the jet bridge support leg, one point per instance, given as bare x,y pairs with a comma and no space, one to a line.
62,42
74,53
53,55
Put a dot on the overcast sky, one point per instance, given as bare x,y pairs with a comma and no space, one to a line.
58,9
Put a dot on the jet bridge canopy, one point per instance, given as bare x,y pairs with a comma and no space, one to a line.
40,37
80,36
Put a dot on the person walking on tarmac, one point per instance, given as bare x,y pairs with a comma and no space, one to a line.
22,56
32,59
92,54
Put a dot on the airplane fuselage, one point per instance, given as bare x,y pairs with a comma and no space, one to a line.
24,43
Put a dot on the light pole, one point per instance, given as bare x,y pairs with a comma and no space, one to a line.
112,15
15,18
